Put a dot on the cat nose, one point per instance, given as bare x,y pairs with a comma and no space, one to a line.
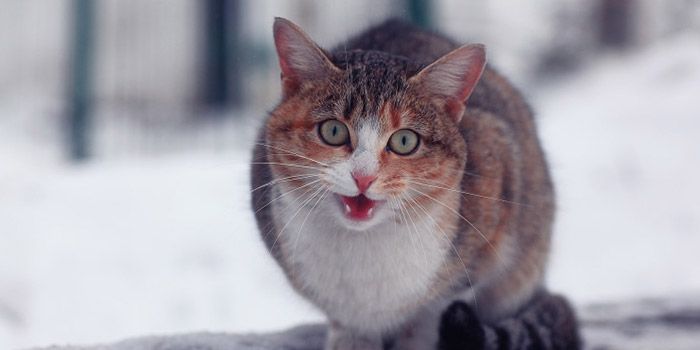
363,181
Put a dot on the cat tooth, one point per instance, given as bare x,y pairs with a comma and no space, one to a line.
370,211
347,209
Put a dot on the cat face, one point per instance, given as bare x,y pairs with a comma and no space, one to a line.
364,138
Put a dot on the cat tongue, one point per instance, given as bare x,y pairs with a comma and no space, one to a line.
358,207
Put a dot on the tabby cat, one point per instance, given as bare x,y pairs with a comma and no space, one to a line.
401,187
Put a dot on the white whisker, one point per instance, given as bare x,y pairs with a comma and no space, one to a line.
418,235
404,221
454,249
465,220
285,194
285,179
301,228
289,165
465,193
304,202
292,153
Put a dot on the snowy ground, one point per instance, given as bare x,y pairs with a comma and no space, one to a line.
635,325
121,248
624,145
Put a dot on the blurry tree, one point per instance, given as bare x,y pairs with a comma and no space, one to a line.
80,104
616,23
307,11
570,44
419,12
222,67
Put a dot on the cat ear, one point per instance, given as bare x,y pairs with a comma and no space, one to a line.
299,57
453,77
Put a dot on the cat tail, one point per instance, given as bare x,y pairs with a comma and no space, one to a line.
547,322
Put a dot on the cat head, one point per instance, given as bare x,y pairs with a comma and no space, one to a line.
365,135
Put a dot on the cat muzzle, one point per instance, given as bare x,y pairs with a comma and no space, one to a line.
359,207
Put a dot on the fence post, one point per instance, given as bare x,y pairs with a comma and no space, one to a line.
221,85
420,12
616,23
80,79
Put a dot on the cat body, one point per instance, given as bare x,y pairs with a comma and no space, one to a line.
385,200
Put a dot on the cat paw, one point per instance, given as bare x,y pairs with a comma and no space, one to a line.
460,328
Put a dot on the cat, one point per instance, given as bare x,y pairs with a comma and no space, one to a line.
400,182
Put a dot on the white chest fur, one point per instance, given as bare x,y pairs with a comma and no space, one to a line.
371,280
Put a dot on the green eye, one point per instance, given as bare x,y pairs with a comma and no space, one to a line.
333,132
403,142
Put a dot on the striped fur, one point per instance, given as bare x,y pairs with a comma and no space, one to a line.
545,322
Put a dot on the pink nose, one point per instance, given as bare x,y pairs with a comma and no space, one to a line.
363,181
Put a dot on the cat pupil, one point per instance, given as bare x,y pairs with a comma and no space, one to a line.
335,130
403,140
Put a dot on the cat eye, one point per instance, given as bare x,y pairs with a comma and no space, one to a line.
403,142
333,132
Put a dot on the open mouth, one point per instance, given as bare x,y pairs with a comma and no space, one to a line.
358,208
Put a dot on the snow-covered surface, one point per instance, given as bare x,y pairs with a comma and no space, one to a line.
120,248
102,251
624,144
643,324
305,337
634,325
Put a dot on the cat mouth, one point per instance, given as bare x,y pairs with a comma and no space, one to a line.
358,208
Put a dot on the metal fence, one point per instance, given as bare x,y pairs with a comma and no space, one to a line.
157,76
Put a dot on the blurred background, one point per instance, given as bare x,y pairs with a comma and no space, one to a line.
126,128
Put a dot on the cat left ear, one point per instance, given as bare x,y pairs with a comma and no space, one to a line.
453,77
299,57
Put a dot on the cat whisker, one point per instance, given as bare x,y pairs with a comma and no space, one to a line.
425,225
404,220
287,206
446,239
292,153
301,206
465,193
301,228
285,179
420,240
287,193
472,194
460,171
392,201
295,158
495,251
292,165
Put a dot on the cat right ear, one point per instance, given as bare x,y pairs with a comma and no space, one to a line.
300,58
453,77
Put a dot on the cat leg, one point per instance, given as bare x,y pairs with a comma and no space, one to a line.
340,338
421,333
547,322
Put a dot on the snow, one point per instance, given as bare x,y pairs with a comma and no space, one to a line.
670,323
623,145
102,251
118,248
644,324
